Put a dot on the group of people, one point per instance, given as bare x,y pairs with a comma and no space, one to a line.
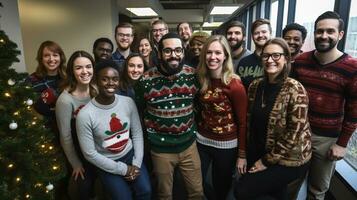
202,105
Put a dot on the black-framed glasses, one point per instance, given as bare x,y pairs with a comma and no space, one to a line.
105,50
124,35
160,30
274,56
168,51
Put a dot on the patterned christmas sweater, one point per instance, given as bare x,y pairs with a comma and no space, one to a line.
332,90
168,107
223,115
48,89
106,133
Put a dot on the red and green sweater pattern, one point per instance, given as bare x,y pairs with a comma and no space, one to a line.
167,102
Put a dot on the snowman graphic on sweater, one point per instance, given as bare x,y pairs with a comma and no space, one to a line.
118,135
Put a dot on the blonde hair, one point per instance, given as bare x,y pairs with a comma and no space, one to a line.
227,67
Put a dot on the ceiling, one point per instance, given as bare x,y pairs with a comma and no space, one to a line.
174,11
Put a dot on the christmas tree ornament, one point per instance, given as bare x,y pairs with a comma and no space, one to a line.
49,187
29,102
13,125
11,82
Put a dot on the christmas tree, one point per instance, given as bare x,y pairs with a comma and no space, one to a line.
31,161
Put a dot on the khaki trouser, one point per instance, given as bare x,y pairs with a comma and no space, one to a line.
188,162
321,167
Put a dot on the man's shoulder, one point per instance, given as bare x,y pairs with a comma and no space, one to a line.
247,52
117,56
303,57
249,59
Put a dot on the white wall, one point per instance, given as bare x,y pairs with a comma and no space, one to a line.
74,25
10,23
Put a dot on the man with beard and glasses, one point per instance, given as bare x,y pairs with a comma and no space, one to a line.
235,34
294,34
330,79
124,36
166,94
102,49
250,67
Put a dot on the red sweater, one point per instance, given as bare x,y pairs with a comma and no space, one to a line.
332,91
224,111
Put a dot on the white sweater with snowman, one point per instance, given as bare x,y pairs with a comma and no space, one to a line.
106,133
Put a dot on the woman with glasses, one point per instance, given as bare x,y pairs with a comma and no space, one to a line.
278,131
222,123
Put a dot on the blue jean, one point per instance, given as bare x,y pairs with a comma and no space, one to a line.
119,188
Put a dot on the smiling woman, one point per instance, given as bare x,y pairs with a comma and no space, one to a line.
134,67
111,138
279,135
78,88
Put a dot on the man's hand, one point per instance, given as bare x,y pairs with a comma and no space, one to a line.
336,152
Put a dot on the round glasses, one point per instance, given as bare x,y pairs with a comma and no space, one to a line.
274,56
168,51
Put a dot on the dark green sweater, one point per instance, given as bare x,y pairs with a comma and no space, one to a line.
167,102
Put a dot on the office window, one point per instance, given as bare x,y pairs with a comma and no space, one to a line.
351,48
351,36
254,13
285,17
306,13
262,9
274,16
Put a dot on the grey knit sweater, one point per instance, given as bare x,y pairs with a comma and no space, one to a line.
108,132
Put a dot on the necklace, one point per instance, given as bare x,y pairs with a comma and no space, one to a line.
263,103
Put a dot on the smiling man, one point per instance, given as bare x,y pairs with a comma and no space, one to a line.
167,93
124,36
184,29
235,34
330,78
250,68
294,34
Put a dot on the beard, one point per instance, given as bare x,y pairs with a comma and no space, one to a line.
123,48
323,48
237,45
168,69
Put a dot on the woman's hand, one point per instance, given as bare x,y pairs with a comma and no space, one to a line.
78,171
132,173
242,165
257,167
